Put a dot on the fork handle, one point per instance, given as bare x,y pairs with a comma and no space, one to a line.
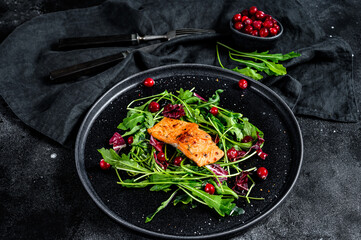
97,41
75,71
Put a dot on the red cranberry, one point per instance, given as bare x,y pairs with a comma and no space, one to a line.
262,173
260,15
238,26
209,188
237,17
248,29
248,21
104,165
276,27
257,25
161,156
214,111
243,83
252,10
268,24
231,153
244,12
130,140
274,21
153,107
148,82
263,32
253,18
177,161
273,31
254,33
244,18
268,17
247,139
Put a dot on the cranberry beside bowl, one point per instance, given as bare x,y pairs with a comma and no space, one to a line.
250,30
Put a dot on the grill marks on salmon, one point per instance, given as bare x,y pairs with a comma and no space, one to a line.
195,143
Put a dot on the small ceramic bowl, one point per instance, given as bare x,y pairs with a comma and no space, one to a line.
251,43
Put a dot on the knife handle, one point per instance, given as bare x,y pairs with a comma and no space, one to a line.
97,41
90,67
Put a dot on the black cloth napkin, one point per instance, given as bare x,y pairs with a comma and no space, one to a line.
319,83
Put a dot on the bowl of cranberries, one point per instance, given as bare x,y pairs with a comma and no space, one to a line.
253,29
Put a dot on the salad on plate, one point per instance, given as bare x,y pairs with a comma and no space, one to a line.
189,147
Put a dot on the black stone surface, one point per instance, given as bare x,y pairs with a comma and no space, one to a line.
41,196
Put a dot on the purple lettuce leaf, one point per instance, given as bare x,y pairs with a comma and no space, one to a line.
219,171
241,183
117,141
156,144
174,111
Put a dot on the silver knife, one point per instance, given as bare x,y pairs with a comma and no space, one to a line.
81,69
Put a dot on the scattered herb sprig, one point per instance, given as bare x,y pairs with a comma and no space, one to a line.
261,62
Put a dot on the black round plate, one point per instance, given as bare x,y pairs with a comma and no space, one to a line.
130,207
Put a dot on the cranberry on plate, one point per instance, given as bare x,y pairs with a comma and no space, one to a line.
262,173
153,107
149,82
104,165
214,111
243,83
209,188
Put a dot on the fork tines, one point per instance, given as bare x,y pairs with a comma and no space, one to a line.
193,30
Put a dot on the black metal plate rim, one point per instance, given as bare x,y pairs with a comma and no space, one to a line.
105,100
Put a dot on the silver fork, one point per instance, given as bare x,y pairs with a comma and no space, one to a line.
175,33
128,39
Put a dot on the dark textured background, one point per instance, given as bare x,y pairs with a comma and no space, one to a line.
50,202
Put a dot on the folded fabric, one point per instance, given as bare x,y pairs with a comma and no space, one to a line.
319,83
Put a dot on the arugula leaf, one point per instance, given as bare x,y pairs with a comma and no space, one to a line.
231,122
217,122
139,137
131,121
188,96
184,198
132,131
141,184
162,206
223,206
273,57
289,55
237,211
248,72
184,94
124,162
197,116
161,187
215,99
149,120
267,62
141,107
259,66
224,190
279,69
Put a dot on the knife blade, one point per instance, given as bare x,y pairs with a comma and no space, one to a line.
90,67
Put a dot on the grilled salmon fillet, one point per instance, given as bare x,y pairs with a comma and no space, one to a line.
195,143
